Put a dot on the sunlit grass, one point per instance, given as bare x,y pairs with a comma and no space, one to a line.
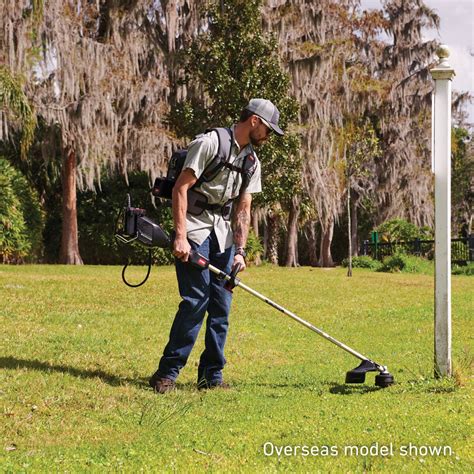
79,346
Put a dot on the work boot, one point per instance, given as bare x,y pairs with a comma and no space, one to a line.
162,384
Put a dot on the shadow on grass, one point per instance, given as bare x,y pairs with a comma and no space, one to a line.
296,385
345,389
13,363
334,387
114,380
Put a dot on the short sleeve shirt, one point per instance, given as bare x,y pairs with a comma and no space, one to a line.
226,185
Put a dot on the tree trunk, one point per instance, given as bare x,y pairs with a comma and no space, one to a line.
69,253
312,244
354,226
292,237
349,215
273,228
349,228
325,257
258,256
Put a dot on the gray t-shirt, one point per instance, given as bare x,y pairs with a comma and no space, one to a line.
225,186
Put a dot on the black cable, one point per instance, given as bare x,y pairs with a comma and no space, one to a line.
146,277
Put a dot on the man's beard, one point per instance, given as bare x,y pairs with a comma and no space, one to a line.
255,141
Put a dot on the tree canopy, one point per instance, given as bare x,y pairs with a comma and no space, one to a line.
116,86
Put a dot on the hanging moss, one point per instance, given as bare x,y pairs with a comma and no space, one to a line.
105,77
346,71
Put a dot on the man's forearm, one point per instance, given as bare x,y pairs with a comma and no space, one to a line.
180,205
241,228
186,180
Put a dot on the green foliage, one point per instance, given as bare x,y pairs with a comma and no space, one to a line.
359,137
254,246
467,270
33,214
363,261
233,61
21,217
281,171
462,169
14,101
42,169
401,262
188,118
14,243
97,218
400,230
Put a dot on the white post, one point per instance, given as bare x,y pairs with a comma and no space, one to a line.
441,149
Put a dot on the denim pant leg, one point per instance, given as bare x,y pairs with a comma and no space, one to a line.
194,288
212,359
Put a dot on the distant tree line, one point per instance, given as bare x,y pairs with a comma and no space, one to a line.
95,96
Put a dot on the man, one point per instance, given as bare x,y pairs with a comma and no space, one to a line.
209,232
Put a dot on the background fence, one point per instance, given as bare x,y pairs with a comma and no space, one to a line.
462,250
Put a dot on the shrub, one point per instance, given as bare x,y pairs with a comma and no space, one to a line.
467,270
14,243
364,261
400,262
21,217
400,230
254,246
97,218
33,214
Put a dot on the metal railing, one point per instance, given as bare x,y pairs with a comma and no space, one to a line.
462,250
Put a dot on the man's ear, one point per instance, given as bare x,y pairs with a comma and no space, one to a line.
254,121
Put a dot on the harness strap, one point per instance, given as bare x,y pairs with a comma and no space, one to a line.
224,150
212,207
197,203
231,167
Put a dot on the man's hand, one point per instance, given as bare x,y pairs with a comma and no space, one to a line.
241,260
181,249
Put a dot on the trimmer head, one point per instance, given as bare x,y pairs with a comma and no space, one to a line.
384,379
357,375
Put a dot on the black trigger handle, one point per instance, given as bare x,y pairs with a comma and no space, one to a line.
234,281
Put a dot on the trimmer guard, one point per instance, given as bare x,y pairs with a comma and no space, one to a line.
357,375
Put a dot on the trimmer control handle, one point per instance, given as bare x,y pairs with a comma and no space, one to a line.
233,282
198,260
201,262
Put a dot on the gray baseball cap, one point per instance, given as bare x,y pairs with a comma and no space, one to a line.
267,112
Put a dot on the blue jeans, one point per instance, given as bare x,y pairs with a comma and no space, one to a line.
200,291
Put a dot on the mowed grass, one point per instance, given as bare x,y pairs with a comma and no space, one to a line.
79,347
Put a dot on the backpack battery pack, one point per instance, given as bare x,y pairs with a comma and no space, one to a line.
163,187
198,202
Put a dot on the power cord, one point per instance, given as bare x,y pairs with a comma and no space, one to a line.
131,285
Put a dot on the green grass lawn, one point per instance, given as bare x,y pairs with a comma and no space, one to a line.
78,347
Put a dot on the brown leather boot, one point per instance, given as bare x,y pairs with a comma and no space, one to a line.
163,385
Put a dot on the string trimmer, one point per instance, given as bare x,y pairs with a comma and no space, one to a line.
136,227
